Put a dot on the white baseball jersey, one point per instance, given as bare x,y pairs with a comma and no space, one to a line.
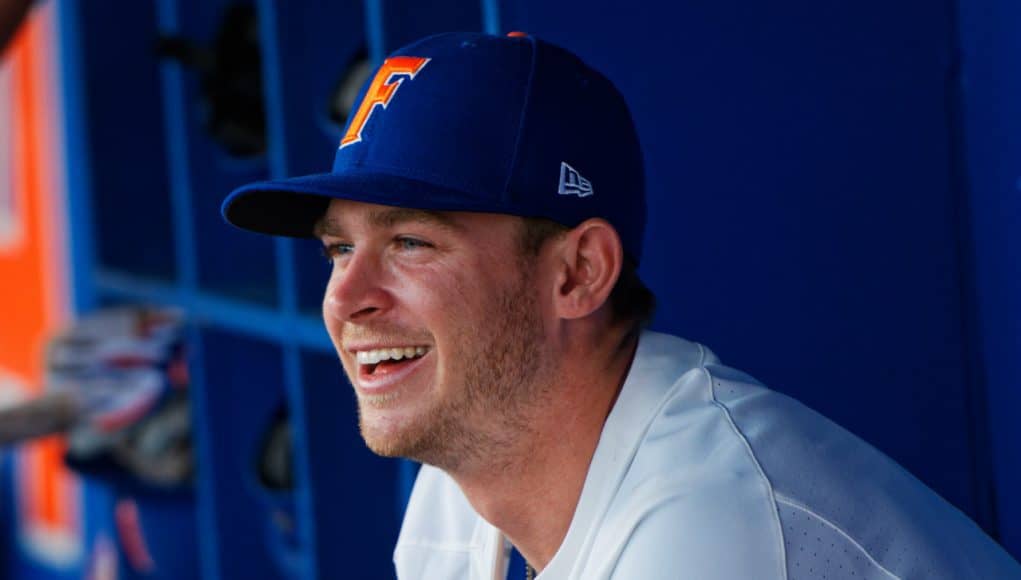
702,473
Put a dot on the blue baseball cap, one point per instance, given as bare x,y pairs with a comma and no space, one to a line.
474,122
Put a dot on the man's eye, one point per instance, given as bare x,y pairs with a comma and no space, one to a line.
407,243
333,251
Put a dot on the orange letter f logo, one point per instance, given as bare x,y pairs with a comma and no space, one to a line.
381,91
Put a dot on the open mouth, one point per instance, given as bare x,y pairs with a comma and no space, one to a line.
382,361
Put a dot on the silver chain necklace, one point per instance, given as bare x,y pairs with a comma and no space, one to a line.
529,572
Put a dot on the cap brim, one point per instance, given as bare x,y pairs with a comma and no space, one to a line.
291,207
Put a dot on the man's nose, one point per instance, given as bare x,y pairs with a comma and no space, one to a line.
355,292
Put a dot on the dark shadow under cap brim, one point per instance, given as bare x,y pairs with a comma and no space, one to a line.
270,208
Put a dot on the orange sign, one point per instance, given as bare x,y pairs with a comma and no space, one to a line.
34,289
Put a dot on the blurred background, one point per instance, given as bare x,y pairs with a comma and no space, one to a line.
835,208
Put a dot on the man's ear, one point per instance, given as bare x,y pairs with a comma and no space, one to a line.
591,257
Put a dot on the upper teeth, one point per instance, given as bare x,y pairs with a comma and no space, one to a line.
371,357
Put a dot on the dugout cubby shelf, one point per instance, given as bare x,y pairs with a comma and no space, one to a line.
198,97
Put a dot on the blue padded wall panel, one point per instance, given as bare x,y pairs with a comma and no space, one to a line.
802,217
126,143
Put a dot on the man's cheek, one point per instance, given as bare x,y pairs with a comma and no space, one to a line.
350,369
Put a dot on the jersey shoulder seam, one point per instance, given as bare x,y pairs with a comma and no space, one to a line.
758,467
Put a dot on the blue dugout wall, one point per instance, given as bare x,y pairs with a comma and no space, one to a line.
834,209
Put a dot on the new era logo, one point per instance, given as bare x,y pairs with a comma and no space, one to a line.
572,183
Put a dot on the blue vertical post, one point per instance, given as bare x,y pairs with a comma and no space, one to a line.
491,16
374,30
81,250
269,23
177,159
81,253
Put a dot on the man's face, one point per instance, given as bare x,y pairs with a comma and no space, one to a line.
437,320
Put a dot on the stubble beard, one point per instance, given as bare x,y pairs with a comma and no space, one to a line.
488,414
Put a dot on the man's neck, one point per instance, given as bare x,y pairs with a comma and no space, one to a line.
532,496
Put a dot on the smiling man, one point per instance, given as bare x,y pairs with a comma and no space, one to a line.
484,217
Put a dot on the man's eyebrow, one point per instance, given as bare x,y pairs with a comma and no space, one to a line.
389,218
324,226
399,215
